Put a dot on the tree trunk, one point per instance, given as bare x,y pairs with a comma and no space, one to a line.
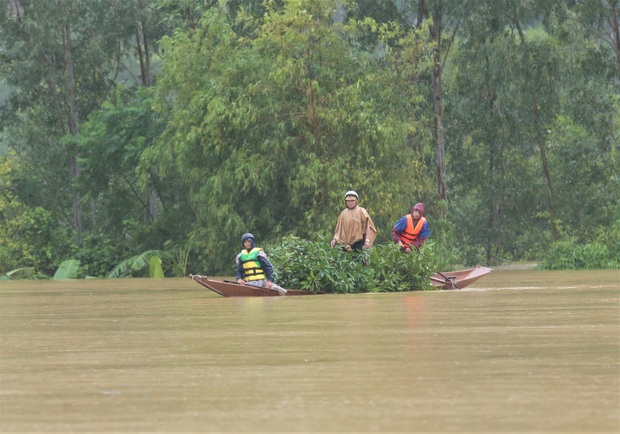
547,173
142,48
144,57
154,196
539,137
615,30
15,9
440,150
73,128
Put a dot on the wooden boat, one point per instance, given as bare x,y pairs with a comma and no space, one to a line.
459,279
227,288
442,280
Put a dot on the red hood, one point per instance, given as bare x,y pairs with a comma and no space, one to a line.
419,207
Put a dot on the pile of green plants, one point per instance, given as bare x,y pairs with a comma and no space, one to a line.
315,266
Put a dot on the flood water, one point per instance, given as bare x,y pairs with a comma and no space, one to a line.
517,351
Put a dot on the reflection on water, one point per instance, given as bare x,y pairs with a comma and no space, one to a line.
518,351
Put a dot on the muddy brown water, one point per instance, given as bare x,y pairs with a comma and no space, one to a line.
520,350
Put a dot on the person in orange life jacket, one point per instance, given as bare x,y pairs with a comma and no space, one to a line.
411,230
253,266
355,229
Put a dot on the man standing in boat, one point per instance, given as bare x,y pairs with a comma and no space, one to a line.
253,266
411,230
354,229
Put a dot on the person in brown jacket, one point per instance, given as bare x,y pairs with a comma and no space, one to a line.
355,229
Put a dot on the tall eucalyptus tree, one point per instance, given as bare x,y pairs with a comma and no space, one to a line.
600,18
56,58
61,59
516,76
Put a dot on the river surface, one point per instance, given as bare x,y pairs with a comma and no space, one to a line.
518,351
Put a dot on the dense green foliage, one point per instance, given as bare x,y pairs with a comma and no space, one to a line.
30,236
315,266
601,252
270,131
173,127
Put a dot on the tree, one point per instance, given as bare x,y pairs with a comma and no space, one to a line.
270,131
509,90
62,59
600,19
29,236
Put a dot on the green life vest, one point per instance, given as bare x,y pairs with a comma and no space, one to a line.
252,269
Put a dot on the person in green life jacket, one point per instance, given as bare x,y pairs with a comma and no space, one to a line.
411,231
253,266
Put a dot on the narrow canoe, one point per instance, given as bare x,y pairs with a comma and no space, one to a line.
459,279
227,288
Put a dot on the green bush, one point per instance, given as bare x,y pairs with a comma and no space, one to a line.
315,266
603,252
571,255
98,255
29,237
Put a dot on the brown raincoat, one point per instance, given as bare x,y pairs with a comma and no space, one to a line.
354,225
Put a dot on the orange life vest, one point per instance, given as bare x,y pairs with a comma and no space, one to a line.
410,233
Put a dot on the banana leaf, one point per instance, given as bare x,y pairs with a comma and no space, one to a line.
133,264
20,273
68,270
155,270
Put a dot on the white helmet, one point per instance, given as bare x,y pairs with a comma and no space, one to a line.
351,193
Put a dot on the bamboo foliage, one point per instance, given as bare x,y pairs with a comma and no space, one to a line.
269,132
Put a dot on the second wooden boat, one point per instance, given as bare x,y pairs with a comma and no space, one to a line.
459,279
